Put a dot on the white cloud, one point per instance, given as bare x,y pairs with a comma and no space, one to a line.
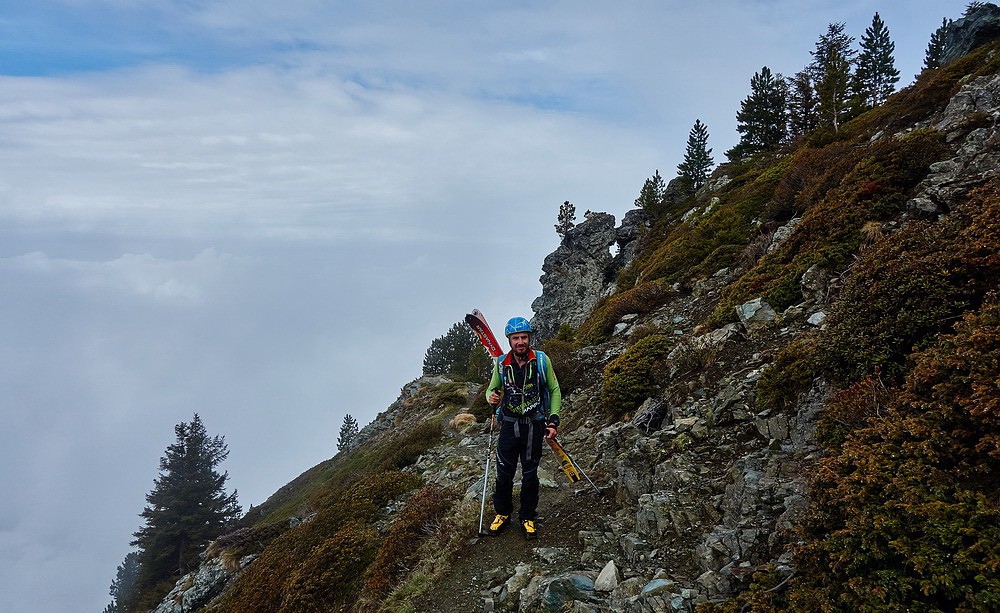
175,282
264,212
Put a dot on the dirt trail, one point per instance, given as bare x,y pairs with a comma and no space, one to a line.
487,561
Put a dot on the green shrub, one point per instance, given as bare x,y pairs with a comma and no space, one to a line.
571,372
635,375
905,515
789,375
913,287
408,447
640,299
328,576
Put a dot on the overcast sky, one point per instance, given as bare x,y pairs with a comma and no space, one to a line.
263,212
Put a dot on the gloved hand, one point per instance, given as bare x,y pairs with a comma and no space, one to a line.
552,427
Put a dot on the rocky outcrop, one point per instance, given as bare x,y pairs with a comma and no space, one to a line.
980,25
971,122
387,419
194,590
582,269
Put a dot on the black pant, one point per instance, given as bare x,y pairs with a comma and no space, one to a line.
519,440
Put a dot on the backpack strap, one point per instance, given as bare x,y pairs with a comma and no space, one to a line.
543,382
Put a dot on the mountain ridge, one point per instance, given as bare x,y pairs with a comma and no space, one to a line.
738,361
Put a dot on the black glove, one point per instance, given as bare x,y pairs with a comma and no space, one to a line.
552,427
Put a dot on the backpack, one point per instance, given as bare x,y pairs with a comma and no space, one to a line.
541,374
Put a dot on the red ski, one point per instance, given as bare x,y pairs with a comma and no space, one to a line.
477,322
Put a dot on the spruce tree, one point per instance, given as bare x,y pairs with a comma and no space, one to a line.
802,113
693,171
348,432
187,507
876,76
450,354
651,196
762,120
566,218
830,71
935,48
124,584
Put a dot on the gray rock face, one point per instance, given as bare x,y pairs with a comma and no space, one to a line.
977,157
582,269
980,26
194,590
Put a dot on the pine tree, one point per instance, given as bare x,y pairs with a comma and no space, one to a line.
480,364
566,218
693,171
935,48
651,196
124,584
830,71
802,113
187,507
762,119
348,432
450,354
876,76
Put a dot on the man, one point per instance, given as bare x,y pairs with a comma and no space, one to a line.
526,395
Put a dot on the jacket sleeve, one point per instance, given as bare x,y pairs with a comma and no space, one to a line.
495,383
555,396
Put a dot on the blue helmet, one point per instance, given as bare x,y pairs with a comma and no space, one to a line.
517,324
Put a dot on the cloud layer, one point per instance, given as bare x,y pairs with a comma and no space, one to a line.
264,213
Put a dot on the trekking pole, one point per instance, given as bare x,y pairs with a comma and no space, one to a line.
580,470
486,477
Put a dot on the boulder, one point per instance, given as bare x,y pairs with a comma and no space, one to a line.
755,314
608,578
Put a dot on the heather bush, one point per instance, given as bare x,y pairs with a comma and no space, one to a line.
906,515
419,518
317,564
913,287
640,299
837,191
635,375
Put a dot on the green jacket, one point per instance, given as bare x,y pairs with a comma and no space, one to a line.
541,388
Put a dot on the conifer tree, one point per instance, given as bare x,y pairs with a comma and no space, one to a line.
876,76
348,432
762,119
651,196
187,507
802,113
450,354
124,584
693,171
566,218
830,71
935,48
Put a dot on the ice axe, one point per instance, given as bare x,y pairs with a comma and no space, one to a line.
569,465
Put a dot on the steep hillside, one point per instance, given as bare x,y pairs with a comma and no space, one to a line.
788,395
